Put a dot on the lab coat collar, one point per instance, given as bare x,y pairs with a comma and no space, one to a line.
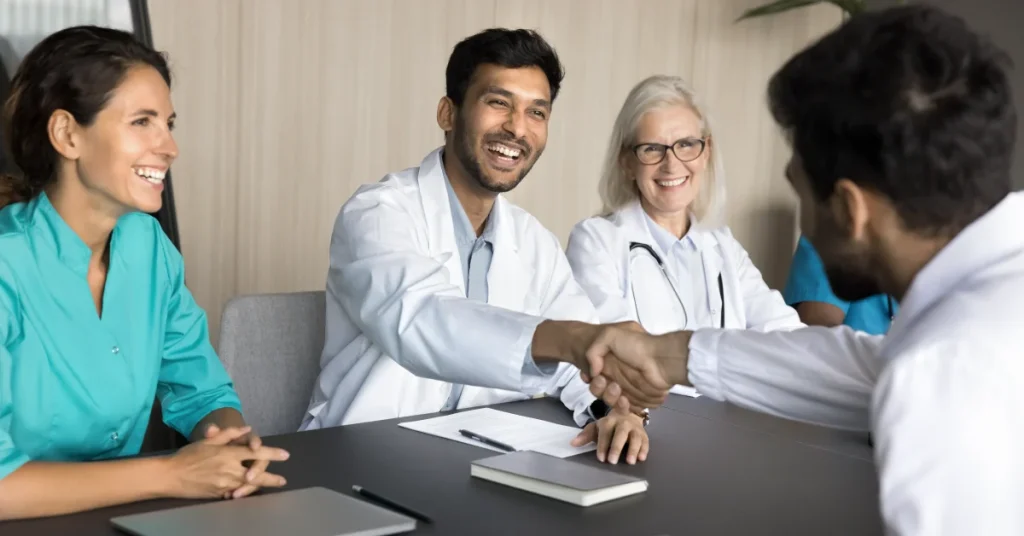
508,275
633,220
637,224
464,231
985,242
634,223
666,240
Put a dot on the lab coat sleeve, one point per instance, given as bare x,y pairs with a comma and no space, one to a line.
565,300
818,375
946,457
11,458
575,394
597,271
404,302
765,308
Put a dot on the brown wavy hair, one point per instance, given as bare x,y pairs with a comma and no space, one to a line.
76,70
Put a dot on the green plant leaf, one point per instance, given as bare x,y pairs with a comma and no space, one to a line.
776,7
850,7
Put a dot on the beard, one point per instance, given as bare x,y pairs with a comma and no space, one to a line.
464,153
848,264
850,284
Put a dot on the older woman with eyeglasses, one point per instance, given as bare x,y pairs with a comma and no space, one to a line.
652,255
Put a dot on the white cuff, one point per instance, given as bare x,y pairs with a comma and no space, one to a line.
703,363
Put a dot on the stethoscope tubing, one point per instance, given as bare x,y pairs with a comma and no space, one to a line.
668,278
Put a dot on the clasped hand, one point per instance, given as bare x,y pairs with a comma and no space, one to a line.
215,466
625,366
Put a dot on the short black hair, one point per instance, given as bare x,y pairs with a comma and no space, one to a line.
507,48
908,102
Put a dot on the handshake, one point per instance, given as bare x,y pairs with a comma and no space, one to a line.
624,365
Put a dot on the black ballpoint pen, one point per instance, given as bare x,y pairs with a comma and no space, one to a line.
359,490
487,441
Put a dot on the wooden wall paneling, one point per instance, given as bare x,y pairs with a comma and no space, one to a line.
202,39
732,67
287,107
281,160
356,79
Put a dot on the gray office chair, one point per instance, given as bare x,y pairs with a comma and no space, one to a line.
270,344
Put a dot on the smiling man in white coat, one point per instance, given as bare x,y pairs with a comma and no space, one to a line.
439,288
902,126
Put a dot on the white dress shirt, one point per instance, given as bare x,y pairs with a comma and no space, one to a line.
943,392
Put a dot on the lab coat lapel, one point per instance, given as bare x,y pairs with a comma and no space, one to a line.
711,259
635,229
438,213
508,277
635,226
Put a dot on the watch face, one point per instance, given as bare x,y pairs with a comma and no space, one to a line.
599,409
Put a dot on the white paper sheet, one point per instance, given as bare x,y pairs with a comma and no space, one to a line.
685,391
521,433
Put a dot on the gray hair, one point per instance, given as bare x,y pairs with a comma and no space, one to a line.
616,189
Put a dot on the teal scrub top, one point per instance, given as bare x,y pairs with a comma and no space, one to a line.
808,282
75,386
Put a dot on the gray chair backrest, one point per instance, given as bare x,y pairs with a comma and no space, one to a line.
270,344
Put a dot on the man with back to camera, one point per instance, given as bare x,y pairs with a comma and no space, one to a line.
439,288
902,128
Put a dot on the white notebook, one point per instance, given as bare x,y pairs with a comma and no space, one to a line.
565,480
521,433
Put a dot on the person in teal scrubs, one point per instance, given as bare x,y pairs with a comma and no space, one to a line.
808,291
95,318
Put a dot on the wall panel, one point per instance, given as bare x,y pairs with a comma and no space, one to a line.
287,107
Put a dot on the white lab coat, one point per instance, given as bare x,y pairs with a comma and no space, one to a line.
942,392
598,252
399,327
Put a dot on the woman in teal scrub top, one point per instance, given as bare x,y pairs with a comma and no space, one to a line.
808,291
95,318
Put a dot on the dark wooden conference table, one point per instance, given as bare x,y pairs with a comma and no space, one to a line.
713,469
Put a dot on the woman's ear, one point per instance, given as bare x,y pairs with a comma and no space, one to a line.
64,134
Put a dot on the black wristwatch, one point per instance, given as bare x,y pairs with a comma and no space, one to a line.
600,410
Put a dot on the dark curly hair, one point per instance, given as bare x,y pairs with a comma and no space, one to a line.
907,102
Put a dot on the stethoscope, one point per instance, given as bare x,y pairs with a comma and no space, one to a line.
664,272
888,300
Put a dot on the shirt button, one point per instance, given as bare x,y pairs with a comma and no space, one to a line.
113,436
115,350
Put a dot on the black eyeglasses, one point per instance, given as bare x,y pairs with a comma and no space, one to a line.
686,149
